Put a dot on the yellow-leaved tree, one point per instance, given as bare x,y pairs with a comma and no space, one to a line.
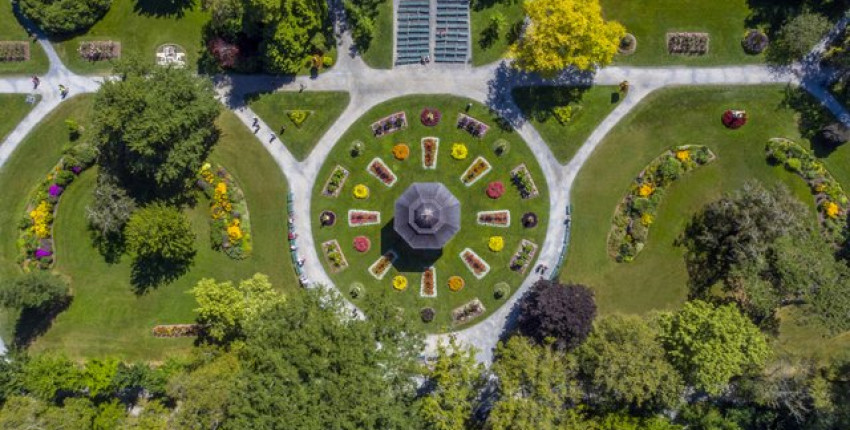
564,33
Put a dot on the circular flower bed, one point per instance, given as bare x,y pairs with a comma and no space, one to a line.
734,119
401,151
495,189
400,282
459,151
628,44
430,117
362,243
529,220
496,243
427,314
327,218
361,191
456,283
755,42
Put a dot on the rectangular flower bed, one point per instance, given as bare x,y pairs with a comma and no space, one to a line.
363,218
99,50
334,256
176,330
428,286
468,312
333,186
230,222
430,148
522,179
382,172
382,265
14,51
479,167
500,218
471,125
474,263
389,124
687,43
524,256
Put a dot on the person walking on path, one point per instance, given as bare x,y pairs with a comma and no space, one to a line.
35,82
63,91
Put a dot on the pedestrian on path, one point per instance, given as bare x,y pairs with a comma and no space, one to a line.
63,91
35,82
256,122
271,139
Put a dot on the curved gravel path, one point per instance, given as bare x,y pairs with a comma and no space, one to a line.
491,84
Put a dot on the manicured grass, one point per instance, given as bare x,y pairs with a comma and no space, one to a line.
141,26
537,103
325,108
485,49
15,108
448,172
106,317
380,52
11,30
651,20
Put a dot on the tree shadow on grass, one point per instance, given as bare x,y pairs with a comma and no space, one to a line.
163,8
34,322
813,115
409,259
151,272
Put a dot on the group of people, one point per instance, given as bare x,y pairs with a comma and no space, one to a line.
63,90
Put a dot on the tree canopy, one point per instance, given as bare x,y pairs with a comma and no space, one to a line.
453,384
797,37
33,290
160,232
225,309
59,17
565,33
561,313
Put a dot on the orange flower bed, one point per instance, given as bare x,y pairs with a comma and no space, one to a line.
401,151
456,283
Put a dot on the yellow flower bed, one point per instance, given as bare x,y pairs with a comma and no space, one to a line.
456,283
683,155
459,151
401,151
645,190
496,243
832,210
41,216
361,191
646,219
234,232
399,282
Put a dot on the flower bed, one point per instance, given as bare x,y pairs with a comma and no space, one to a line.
428,283
430,117
529,220
363,218
389,124
500,218
468,312
99,50
361,191
14,51
399,283
334,256
401,152
522,179
380,171
524,256
382,265
333,186
230,222
755,42
734,119
479,167
495,189
177,330
430,148
472,126
459,151
362,244
455,283
327,218
830,198
496,243
474,263
35,235
636,212
687,43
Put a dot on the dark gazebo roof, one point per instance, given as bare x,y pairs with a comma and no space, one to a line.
427,215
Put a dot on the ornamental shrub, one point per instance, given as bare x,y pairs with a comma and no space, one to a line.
562,314
355,291
63,178
160,232
794,164
64,16
298,116
501,290
33,290
327,61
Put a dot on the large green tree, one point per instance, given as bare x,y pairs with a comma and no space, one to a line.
225,309
64,16
453,381
205,392
710,345
155,128
33,290
160,232
287,28
561,313
797,37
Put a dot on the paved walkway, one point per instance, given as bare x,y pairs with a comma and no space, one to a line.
491,84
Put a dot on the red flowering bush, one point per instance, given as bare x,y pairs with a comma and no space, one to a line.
226,54
495,189
362,243
734,119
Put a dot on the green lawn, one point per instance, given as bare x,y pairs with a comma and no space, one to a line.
651,20
140,32
106,317
657,279
325,108
486,48
11,30
448,172
536,104
15,108
380,52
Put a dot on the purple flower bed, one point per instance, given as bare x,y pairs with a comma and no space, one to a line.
55,190
42,253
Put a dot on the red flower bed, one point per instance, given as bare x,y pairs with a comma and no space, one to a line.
430,117
495,189
362,243
734,119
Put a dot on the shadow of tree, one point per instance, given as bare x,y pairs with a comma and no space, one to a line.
163,8
772,14
151,272
34,322
813,115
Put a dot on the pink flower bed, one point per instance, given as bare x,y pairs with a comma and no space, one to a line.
495,189
362,243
